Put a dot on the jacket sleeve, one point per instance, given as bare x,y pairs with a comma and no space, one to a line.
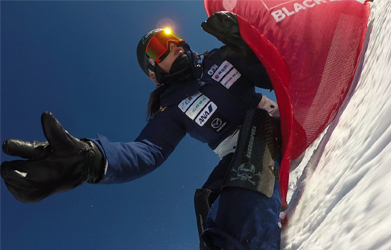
126,161
250,67
225,27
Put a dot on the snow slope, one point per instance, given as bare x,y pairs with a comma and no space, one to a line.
341,192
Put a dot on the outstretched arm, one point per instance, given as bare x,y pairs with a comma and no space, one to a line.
64,162
127,161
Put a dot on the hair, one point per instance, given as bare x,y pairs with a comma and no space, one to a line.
180,75
154,101
154,97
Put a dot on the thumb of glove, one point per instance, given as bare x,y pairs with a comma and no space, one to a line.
67,148
60,141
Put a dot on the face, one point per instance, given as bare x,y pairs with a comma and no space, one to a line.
175,51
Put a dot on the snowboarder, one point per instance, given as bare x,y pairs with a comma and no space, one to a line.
209,96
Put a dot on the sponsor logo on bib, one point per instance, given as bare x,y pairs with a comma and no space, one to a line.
205,114
226,74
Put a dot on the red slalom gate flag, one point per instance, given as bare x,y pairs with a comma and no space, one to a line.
310,49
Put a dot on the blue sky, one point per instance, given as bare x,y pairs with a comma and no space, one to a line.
78,60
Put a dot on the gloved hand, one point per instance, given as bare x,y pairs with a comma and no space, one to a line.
57,165
225,27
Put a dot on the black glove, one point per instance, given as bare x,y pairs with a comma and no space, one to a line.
225,27
57,165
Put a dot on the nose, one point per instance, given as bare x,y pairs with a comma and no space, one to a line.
172,46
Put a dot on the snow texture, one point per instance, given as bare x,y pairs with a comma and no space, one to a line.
341,191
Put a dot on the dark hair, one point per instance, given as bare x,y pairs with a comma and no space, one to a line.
154,101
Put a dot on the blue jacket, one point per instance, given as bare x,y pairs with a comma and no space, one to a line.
209,109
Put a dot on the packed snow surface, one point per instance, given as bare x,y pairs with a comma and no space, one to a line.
341,192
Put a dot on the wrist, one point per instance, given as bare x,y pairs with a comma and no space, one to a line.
95,163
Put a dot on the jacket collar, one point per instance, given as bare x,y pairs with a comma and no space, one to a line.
177,92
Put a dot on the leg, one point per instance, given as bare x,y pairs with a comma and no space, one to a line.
242,219
239,219
245,215
205,197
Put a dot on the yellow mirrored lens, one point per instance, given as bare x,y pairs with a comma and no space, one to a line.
158,44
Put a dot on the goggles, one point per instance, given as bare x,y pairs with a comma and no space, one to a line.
157,47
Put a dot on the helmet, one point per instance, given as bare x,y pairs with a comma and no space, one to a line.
153,48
